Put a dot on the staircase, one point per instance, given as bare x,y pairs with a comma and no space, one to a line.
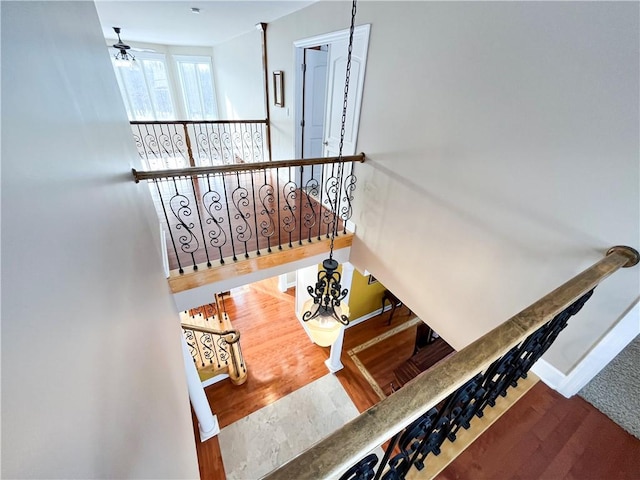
213,343
422,360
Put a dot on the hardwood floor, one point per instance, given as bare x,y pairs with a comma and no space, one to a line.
544,436
281,359
547,436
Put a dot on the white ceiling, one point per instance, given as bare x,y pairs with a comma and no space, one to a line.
173,23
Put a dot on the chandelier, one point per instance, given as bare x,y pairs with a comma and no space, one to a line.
324,313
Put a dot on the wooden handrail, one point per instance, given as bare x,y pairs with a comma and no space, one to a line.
340,450
242,167
191,122
221,333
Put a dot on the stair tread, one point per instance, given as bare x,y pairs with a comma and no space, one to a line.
424,359
406,372
428,356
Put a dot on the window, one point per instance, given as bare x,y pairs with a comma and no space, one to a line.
145,88
148,88
196,81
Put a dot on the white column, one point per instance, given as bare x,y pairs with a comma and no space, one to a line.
282,282
207,421
347,279
333,363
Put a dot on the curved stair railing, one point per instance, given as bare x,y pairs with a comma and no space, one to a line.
430,410
216,352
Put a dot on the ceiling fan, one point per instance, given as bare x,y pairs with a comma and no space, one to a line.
123,49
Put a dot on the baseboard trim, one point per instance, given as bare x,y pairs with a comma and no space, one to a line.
214,379
611,345
366,317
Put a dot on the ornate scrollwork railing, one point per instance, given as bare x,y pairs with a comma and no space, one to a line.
232,211
422,416
183,143
218,350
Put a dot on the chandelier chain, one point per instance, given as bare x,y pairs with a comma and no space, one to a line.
343,127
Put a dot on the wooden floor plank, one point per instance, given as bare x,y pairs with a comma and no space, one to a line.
281,359
543,438
552,438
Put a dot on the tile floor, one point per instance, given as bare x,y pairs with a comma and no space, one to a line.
269,437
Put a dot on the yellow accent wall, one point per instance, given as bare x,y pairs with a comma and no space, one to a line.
364,298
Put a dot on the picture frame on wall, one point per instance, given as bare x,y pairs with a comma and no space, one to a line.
278,88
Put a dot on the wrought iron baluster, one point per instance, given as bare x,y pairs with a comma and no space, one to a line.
208,346
181,209
279,214
387,455
190,339
464,405
165,144
336,212
350,181
197,345
254,150
246,143
236,142
166,217
226,145
259,139
212,205
289,219
310,218
255,211
195,197
320,207
301,206
223,349
267,227
329,214
497,379
202,144
151,145
240,198
226,201
137,138
363,470
216,141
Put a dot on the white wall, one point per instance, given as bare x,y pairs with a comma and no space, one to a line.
93,384
502,145
239,78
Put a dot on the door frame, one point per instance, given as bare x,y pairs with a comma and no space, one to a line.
299,46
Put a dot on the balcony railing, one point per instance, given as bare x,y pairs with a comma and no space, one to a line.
182,143
419,418
225,212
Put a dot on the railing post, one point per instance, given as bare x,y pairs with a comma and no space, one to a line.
262,27
187,140
207,421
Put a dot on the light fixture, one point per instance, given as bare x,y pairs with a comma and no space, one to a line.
324,313
123,57
195,10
